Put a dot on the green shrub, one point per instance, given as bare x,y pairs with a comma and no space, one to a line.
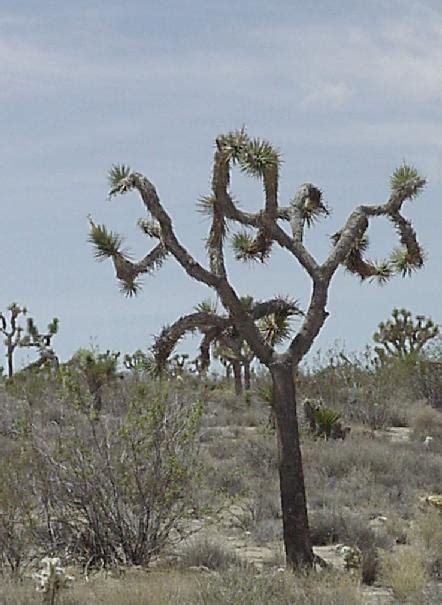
117,486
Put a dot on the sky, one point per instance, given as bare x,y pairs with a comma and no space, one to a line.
345,90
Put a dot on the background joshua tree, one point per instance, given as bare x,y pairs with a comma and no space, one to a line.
17,336
96,369
404,337
261,231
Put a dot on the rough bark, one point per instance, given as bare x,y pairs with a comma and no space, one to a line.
236,366
10,362
297,542
247,377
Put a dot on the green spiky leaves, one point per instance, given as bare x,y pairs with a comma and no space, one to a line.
259,157
255,157
205,205
130,287
32,328
309,201
405,263
107,244
206,306
117,173
276,327
248,248
406,180
119,180
383,271
233,144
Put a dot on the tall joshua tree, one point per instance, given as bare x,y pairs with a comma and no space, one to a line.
272,225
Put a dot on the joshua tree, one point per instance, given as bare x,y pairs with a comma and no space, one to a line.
261,231
97,369
402,336
12,334
14,337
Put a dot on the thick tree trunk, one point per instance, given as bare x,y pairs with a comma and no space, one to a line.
10,362
297,542
247,377
236,365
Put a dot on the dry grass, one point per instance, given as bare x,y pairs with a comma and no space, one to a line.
239,585
134,588
405,573
207,553
348,483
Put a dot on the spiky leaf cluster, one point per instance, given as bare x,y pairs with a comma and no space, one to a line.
107,244
311,204
326,419
205,205
407,180
206,306
403,262
248,248
130,287
258,158
255,157
117,173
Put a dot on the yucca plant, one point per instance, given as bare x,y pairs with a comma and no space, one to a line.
272,225
326,419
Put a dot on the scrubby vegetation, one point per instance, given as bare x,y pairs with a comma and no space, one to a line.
179,476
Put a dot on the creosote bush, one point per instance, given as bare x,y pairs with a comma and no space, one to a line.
112,488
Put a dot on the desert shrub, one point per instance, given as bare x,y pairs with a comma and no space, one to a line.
332,526
117,486
258,453
261,505
17,510
429,378
208,552
392,465
226,479
427,533
267,530
405,573
360,389
428,422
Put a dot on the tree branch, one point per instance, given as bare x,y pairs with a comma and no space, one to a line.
227,294
170,335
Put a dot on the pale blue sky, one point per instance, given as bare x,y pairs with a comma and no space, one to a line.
346,90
